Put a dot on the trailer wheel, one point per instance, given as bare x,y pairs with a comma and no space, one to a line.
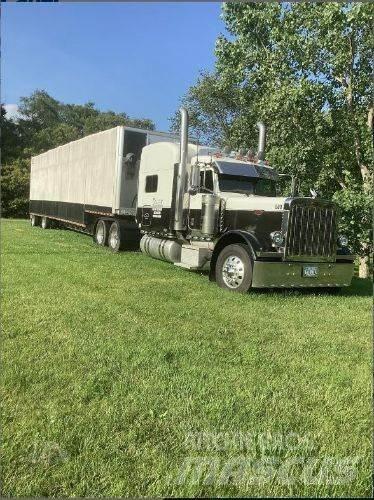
101,233
34,220
114,239
46,223
234,268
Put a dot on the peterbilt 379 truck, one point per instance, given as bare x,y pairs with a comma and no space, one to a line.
190,205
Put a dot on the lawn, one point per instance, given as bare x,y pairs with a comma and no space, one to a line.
123,375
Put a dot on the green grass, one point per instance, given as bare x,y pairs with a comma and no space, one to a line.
111,361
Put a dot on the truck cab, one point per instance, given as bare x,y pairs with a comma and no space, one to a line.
203,209
246,190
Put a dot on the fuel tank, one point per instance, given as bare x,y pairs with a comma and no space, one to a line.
161,249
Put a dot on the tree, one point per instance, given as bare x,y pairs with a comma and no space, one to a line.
45,123
306,70
15,179
10,140
110,119
214,110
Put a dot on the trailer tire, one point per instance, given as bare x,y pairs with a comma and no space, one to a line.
45,223
115,242
234,268
101,233
34,220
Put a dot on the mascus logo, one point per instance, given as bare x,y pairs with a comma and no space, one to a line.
278,207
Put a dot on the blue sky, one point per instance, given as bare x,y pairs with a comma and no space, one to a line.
139,58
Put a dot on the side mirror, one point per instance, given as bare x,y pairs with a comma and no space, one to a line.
194,181
129,159
314,193
129,162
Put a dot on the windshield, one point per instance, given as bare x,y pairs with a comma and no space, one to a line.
247,185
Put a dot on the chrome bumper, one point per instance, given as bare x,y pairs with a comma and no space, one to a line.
289,274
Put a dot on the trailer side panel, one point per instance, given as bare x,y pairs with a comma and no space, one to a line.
77,176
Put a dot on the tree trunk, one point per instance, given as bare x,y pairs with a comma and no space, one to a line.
363,269
370,119
348,88
364,170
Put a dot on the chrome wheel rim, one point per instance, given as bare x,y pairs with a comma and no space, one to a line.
233,271
113,238
100,234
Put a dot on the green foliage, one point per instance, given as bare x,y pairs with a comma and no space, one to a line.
356,217
50,137
10,140
213,108
41,112
105,376
45,123
15,178
305,69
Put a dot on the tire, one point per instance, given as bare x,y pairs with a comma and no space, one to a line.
115,237
45,223
101,233
234,268
34,220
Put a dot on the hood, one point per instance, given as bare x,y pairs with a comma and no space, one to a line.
239,201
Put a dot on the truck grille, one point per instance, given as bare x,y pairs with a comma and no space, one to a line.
311,231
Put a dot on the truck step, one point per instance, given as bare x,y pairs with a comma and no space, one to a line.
194,258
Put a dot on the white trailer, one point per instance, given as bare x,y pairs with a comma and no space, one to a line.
91,180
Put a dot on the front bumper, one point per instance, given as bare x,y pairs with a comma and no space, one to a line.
289,274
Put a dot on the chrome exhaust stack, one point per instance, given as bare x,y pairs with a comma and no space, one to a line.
261,141
182,169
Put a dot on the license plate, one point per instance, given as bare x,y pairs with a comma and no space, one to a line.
310,271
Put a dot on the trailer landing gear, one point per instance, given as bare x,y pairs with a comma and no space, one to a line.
34,220
46,223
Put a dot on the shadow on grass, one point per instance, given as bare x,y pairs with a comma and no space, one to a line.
360,287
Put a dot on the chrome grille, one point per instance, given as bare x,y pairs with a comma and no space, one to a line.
311,231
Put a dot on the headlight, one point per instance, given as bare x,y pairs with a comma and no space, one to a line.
277,238
342,240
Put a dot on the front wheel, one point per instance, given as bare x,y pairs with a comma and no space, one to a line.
234,268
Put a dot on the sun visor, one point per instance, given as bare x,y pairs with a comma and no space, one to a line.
245,169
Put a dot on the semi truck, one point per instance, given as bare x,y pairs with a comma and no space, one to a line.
194,206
